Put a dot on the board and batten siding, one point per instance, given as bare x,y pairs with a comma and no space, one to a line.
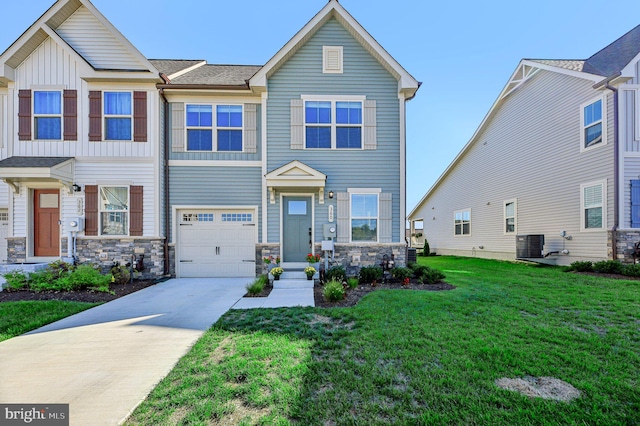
91,39
363,75
216,186
529,151
50,66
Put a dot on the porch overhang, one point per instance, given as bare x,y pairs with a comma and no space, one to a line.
15,170
297,175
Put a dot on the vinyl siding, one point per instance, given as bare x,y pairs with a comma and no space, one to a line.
363,75
49,65
86,34
529,151
216,186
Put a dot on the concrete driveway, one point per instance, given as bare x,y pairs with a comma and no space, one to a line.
105,361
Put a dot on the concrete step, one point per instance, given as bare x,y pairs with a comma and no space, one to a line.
288,284
294,266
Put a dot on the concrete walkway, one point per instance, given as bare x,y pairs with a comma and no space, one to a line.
105,361
286,293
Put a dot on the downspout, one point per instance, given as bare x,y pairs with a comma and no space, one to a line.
166,182
616,183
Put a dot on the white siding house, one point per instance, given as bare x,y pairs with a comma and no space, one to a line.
544,162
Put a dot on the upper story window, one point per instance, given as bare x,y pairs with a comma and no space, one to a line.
118,116
201,125
114,210
510,217
47,115
593,205
332,59
462,222
592,124
333,124
364,217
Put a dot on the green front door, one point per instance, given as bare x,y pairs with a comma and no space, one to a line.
296,222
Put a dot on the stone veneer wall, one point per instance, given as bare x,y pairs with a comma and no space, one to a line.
16,250
625,241
262,251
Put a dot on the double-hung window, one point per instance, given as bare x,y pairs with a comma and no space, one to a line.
47,115
222,130
333,124
364,217
593,205
510,217
118,116
592,124
114,210
462,222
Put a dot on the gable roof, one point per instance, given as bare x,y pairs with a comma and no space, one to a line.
218,75
609,62
63,22
407,84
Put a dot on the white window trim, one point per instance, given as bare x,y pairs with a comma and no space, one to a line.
364,191
35,116
333,99
128,211
603,183
602,98
326,50
105,116
505,217
214,127
462,234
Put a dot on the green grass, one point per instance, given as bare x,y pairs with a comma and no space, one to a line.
416,357
17,318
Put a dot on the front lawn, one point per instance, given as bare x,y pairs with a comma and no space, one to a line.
20,317
415,357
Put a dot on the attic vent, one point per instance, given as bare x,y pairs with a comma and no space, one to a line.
332,59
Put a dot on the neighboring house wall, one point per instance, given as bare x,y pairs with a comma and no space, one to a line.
367,168
528,152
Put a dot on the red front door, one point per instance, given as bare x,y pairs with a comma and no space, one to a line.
46,229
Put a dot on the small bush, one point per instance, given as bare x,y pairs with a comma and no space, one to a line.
16,280
431,276
632,270
581,266
370,273
352,282
418,270
333,291
608,267
401,273
60,269
426,251
336,273
120,274
85,276
43,281
257,285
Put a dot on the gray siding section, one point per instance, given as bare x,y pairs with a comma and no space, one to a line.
178,140
161,171
629,142
363,75
216,186
529,151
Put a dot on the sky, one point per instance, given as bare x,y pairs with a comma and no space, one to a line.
463,52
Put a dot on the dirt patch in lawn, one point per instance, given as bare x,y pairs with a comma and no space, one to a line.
118,290
353,296
541,387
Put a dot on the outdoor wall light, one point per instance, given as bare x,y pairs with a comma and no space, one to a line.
76,187
331,194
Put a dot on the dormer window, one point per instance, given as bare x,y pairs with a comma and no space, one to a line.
332,59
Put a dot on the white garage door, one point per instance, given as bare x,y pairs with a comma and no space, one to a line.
216,243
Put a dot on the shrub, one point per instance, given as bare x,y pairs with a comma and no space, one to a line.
369,274
60,269
43,281
85,276
632,270
336,273
257,285
401,273
581,266
608,267
16,280
427,275
333,291
120,274
426,251
352,282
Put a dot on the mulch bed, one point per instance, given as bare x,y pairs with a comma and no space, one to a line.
266,291
353,296
90,296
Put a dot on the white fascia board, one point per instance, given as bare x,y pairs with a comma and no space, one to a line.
406,81
122,39
578,74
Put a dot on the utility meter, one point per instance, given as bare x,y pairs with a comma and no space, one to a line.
75,224
329,230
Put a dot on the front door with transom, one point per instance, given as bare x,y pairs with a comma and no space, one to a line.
46,229
296,233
